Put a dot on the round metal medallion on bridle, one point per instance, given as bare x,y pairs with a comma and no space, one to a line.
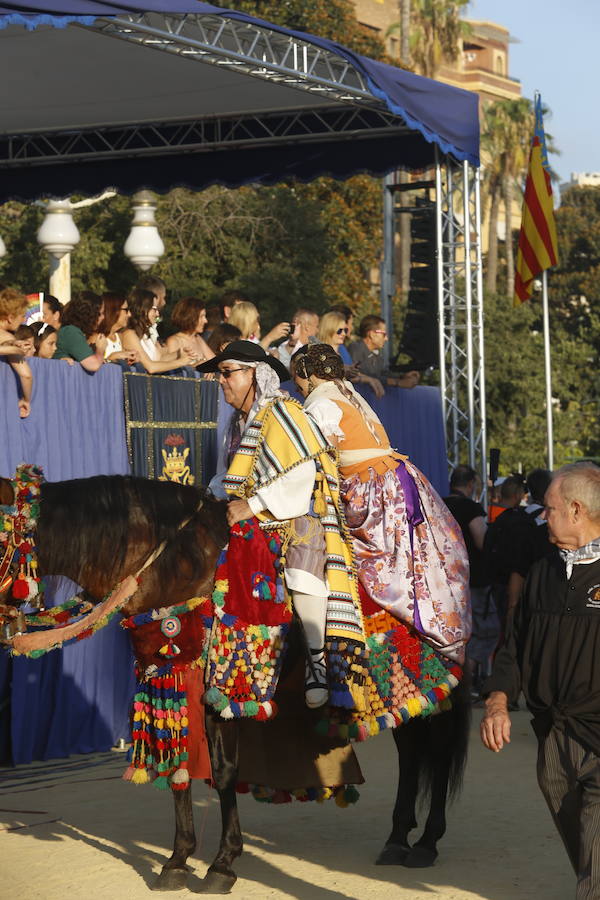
170,627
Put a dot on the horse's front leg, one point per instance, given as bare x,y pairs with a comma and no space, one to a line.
173,876
223,740
397,848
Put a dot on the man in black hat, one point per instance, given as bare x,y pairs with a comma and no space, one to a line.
275,465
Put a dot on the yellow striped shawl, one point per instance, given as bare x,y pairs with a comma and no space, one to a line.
279,438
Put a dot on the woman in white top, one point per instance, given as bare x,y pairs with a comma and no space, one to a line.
143,313
189,318
116,317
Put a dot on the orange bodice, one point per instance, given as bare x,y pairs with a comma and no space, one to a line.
358,436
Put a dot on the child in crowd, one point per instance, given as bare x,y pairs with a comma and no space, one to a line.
44,340
12,312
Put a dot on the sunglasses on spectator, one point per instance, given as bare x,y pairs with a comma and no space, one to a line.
342,331
379,331
227,372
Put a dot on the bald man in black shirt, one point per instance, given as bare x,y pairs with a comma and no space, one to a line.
552,654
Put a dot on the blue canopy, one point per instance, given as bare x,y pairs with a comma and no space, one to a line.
230,99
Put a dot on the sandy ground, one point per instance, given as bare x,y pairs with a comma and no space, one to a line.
73,830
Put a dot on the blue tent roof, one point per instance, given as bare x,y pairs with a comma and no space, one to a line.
436,114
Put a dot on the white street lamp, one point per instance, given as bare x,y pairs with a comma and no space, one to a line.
144,246
58,233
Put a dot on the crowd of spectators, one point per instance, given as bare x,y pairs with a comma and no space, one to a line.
502,542
94,329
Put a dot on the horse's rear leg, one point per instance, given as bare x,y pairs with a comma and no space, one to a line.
397,848
173,876
223,739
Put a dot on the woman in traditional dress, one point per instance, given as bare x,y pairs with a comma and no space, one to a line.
281,471
409,550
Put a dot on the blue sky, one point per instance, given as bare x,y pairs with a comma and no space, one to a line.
558,54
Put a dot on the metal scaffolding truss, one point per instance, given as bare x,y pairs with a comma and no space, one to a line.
460,310
460,303
264,129
250,48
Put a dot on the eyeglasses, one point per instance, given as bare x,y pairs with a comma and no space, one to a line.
226,374
342,331
377,331
126,308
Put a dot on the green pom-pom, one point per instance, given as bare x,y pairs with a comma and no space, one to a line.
216,699
250,709
353,731
351,795
162,782
168,704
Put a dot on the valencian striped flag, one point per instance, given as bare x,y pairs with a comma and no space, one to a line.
537,240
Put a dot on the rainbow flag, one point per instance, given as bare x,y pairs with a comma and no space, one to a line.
537,241
35,307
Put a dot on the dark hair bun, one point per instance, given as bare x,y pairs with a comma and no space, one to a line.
322,360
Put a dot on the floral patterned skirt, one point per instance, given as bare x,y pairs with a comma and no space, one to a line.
410,553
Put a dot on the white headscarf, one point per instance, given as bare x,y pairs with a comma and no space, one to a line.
267,389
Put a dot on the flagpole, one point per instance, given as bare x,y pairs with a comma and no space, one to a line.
548,369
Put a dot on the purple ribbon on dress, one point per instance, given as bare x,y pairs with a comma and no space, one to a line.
414,517
411,497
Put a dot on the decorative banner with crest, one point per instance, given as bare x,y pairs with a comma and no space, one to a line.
171,425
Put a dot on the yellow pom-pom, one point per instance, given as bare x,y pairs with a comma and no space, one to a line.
140,776
413,706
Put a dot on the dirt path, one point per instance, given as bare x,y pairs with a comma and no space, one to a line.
72,830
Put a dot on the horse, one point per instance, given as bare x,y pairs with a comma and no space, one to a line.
97,530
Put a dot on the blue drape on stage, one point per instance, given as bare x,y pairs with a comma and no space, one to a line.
77,700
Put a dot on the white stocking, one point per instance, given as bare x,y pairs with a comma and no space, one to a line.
312,611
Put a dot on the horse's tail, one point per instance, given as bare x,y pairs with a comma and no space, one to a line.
445,741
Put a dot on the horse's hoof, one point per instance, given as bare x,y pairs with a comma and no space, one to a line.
171,880
217,883
393,855
420,858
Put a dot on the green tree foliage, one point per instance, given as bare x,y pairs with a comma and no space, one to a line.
516,412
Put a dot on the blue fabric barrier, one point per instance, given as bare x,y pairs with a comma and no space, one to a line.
75,700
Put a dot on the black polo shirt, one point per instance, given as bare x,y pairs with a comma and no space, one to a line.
552,651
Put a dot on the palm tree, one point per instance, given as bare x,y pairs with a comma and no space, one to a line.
436,30
430,33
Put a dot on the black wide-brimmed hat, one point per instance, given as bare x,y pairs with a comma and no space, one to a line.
245,352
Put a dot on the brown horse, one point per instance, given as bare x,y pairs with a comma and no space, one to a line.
98,530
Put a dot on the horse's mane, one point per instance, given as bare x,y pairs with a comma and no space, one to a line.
88,525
